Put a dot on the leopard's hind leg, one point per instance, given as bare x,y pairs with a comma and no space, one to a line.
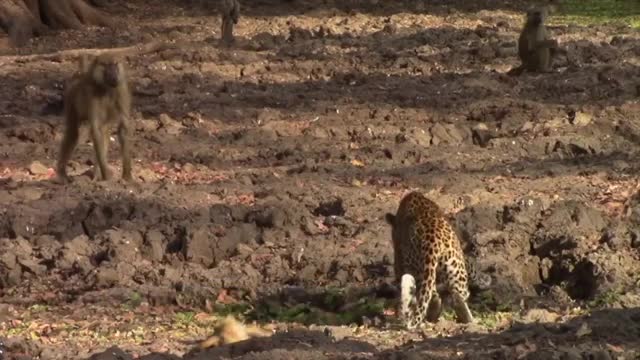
435,308
408,299
456,280
407,295
425,287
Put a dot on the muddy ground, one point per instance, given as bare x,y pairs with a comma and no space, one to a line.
264,172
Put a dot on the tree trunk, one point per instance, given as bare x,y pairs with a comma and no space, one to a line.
22,19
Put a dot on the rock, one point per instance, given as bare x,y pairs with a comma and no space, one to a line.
580,118
154,240
112,353
308,227
576,147
198,246
159,356
583,330
621,165
37,168
572,354
18,348
244,250
240,234
146,175
337,333
506,50
485,53
447,134
221,214
478,219
147,125
75,254
267,218
32,266
188,168
28,193
328,208
481,135
342,276
308,273
123,245
105,216
488,237
635,239
8,260
416,136
616,236
540,316
10,273
171,126
106,278
598,355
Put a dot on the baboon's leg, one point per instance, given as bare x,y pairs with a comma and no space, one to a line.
227,31
106,136
69,143
97,136
125,148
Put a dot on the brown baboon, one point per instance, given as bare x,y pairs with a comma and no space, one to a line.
98,95
535,48
230,16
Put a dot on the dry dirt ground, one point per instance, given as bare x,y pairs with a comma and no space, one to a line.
264,172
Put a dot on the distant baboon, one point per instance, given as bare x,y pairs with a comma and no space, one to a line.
97,95
230,15
535,48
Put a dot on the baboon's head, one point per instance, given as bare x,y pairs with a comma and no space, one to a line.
107,71
536,16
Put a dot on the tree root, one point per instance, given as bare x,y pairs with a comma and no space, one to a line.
22,19
139,49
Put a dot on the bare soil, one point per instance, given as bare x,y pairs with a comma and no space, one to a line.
264,171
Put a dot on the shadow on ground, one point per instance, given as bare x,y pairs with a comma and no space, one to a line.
615,332
604,334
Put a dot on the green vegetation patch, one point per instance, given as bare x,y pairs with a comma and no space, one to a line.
332,307
588,12
606,299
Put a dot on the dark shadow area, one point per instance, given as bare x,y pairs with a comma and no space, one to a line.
321,8
600,334
615,332
437,92
532,168
296,344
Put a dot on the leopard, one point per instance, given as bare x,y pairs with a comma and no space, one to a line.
429,263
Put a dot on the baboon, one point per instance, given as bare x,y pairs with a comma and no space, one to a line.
535,48
97,95
230,17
